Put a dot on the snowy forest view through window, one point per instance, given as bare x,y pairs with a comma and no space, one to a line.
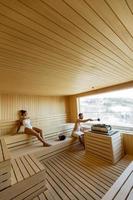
114,108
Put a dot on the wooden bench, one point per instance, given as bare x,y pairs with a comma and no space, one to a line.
122,189
28,179
21,140
20,144
5,165
55,148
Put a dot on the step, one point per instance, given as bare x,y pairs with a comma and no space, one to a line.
28,179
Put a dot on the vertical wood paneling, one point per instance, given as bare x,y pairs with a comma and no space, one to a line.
128,143
73,108
46,112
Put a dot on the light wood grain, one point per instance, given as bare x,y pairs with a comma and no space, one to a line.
128,143
64,47
28,178
122,188
47,113
5,165
109,148
72,174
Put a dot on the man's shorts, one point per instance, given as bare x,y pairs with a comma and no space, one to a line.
77,134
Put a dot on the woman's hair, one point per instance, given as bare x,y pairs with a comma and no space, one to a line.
22,112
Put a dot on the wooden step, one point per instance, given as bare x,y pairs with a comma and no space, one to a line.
28,179
5,165
122,189
46,195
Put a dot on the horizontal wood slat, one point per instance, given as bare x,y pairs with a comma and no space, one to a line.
72,174
5,165
122,188
49,43
28,178
106,147
128,143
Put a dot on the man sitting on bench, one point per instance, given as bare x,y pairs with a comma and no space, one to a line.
78,131
28,129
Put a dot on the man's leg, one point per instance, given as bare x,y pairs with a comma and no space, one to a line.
79,135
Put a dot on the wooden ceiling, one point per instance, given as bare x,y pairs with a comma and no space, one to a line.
63,47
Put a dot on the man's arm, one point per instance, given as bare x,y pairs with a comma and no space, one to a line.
85,120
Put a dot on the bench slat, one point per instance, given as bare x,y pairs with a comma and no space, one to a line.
1,152
22,167
6,154
13,178
5,184
4,177
48,195
32,164
27,189
16,170
42,197
4,170
130,197
28,194
36,198
28,167
40,166
125,190
124,181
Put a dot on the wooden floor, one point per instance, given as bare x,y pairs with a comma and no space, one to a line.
74,175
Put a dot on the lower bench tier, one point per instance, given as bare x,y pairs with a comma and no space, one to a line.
122,189
28,178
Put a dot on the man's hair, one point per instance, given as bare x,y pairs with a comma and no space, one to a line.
80,114
22,112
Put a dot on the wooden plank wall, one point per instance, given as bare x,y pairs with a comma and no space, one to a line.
45,112
128,143
65,46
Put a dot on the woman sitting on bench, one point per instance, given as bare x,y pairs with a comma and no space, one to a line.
28,129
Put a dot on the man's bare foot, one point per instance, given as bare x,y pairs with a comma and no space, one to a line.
46,145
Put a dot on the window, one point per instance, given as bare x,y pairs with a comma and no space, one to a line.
114,108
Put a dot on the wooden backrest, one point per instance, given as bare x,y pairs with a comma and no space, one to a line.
122,189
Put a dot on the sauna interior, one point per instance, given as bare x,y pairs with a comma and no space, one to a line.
59,58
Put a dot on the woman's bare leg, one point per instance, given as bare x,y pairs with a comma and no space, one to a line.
39,131
34,133
41,134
